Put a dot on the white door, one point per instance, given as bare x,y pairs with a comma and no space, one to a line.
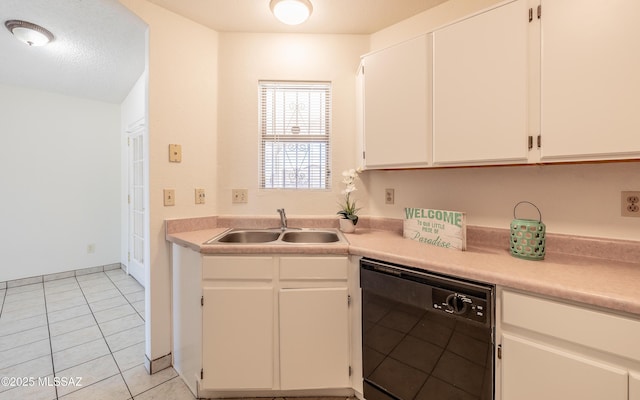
314,338
237,338
136,200
533,371
634,385
590,85
397,104
480,77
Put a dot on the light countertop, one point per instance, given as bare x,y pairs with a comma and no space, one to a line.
611,284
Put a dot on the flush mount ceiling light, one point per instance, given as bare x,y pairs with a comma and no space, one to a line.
291,12
31,34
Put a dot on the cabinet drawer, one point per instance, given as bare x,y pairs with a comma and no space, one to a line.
311,268
253,268
596,329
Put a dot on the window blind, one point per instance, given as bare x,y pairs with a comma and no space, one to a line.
295,125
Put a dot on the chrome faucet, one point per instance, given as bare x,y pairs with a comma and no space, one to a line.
283,219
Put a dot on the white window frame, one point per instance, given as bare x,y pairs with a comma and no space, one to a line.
306,122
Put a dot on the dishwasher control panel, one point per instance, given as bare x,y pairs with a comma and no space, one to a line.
460,304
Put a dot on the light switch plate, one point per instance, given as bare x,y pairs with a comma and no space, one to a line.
169,197
199,196
175,153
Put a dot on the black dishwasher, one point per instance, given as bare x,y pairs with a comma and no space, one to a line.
425,336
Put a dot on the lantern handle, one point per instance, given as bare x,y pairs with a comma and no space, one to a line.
528,202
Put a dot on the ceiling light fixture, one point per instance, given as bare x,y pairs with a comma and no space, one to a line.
291,12
29,33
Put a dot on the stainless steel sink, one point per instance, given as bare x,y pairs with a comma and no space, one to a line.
290,236
246,236
310,237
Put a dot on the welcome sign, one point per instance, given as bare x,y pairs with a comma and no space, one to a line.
440,228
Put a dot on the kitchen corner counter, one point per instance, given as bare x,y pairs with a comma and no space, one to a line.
611,284
604,283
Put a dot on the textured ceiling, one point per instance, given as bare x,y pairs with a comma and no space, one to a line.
98,51
99,47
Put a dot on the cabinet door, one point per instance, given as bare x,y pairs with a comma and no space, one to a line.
237,338
480,95
634,386
590,84
314,338
532,371
397,105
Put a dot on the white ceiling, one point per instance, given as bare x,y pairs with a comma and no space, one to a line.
329,16
99,47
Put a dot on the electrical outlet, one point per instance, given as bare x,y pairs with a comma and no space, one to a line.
389,196
199,196
169,197
630,204
239,196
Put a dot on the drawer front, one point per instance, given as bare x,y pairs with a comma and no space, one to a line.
251,268
313,268
596,329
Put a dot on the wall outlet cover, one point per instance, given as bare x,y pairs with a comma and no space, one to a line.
630,203
175,153
239,196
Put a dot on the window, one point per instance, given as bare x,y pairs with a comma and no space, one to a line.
295,121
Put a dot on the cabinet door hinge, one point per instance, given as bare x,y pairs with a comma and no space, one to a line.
202,373
530,14
364,155
348,300
202,301
499,352
530,142
350,370
539,141
539,11
363,70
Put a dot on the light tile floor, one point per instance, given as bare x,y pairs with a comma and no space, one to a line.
89,327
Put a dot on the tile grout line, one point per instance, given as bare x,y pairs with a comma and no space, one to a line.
134,309
46,313
125,297
4,299
105,338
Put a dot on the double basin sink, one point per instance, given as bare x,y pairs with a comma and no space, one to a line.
278,236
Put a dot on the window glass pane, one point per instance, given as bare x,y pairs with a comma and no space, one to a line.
294,127
295,165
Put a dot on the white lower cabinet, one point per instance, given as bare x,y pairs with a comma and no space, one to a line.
533,371
314,338
634,386
550,349
274,324
237,333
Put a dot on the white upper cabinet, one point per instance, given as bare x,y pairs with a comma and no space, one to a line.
480,88
397,104
590,79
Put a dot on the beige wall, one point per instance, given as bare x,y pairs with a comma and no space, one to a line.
182,110
247,58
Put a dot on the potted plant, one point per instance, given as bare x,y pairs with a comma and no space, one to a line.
348,209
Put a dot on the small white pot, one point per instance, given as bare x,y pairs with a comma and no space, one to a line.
347,225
